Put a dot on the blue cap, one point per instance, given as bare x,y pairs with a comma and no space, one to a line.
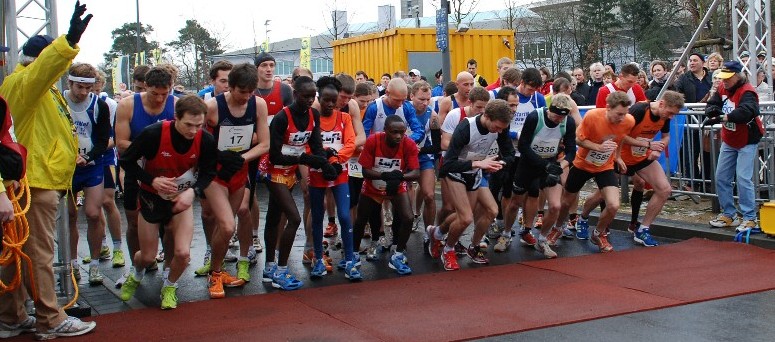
730,69
36,44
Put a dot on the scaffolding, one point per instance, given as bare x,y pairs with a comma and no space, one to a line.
20,23
752,22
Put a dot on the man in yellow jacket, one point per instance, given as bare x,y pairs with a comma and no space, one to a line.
43,124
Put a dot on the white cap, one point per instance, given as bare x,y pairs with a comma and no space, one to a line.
415,72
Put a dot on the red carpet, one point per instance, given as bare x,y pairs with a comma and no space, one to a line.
467,304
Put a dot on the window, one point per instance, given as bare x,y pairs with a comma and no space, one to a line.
535,51
283,67
321,65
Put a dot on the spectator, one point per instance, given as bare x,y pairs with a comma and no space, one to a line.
611,67
608,77
643,80
360,76
438,90
740,135
658,79
546,78
762,88
479,81
715,61
581,84
414,76
695,85
504,64
38,111
596,71
679,68
744,57
383,84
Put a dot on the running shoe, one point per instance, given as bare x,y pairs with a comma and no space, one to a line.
503,244
539,221
553,236
388,218
118,258
252,256
229,280
494,231
399,263
449,260
723,221
351,271
230,256
643,237
460,249
105,253
11,330
367,232
70,327
95,277
485,243
434,245
79,200
268,273
602,242
307,257
129,288
205,269
234,241
384,243
152,267
216,286
417,223
331,230
318,269
373,252
286,281
121,280
169,297
243,270
257,244
567,233
543,247
160,256
633,227
572,222
746,225
582,229
77,273
526,237
477,254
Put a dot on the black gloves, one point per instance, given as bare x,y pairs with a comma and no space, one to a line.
435,146
713,111
391,189
711,121
77,25
312,160
330,171
231,162
553,172
392,175
330,152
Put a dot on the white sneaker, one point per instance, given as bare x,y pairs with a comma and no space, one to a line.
234,242
71,326
543,247
723,221
503,244
746,226
230,256
121,280
11,330
257,244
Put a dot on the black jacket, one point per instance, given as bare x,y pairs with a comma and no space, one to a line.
654,88
591,96
685,86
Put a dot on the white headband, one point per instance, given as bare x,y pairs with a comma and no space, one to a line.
81,79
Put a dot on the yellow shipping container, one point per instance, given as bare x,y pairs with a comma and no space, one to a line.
410,48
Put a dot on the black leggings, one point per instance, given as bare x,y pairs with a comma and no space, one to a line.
280,202
370,210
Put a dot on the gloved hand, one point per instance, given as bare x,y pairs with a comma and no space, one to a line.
330,173
435,145
392,175
331,153
312,160
231,162
337,167
391,189
711,121
553,168
77,25
713,111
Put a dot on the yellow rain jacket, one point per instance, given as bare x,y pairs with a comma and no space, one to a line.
41,118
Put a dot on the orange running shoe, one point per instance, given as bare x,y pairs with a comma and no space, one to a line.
328,262
308,256
602,242
231,281
216,285
331,230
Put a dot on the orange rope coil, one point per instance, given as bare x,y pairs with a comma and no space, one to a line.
15,235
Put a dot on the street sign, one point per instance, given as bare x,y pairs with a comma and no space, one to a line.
442,30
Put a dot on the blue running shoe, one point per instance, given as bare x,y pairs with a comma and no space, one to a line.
343,263
644,238
351,272
286,281
582,230
567,233
268,274
398,262
318,269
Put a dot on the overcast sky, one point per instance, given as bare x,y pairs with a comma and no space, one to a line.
233,19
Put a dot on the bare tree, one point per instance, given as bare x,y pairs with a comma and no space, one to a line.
336,28
461,9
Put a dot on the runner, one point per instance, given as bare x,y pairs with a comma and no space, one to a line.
174,173
294,139
219,80
420,98
640,153
626,82
238,121
389,161
464,83
339,142
546,134
91,118
132,116
464,162
599,138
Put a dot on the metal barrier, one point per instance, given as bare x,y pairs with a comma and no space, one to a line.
690,160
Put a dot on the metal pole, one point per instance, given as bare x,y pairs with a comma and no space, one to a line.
51,27
9,17
689,46
445,60
63,248
139,28
753,28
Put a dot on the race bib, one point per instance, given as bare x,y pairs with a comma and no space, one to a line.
473,156
494,150
235,138
332,140
545,148
183,183
730,126
598,158
384,165
354,168
639,151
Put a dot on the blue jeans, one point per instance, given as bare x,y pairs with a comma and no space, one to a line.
341,194
731,162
